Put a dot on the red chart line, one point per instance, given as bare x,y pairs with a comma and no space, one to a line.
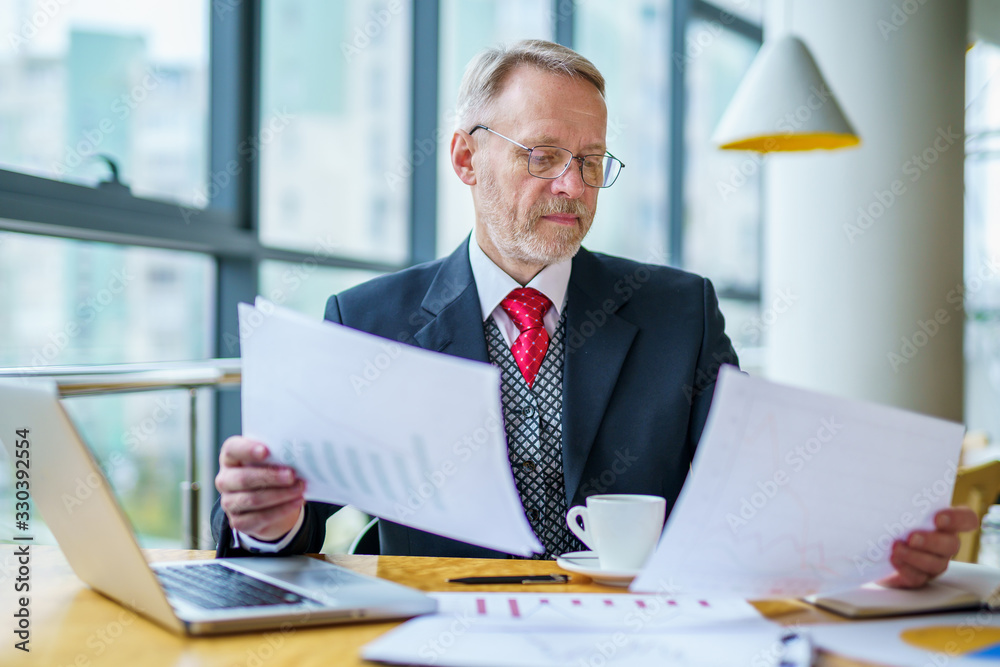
514,611
480,606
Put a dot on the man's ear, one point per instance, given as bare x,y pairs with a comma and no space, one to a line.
462,149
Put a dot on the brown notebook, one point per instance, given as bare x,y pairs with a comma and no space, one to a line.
963,586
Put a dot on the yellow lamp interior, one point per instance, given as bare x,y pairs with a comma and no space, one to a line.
773,143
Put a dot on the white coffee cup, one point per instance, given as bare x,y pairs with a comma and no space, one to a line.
621,528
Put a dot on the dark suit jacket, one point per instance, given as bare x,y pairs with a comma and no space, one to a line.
643,347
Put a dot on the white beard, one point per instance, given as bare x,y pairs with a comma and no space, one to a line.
519,239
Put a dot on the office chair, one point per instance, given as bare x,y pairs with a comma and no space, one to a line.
977,487
366,542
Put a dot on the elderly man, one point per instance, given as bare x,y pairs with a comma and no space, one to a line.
607,365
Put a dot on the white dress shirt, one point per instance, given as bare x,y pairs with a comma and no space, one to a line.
493,285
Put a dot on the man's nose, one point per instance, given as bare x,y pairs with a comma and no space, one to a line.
571,182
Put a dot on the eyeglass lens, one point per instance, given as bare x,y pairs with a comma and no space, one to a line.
550,162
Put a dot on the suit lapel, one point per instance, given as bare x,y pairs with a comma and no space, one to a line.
452,304
597,342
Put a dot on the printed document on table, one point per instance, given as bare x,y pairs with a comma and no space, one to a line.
477,629
792,492
561,636
409,435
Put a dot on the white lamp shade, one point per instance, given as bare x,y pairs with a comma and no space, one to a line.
784,104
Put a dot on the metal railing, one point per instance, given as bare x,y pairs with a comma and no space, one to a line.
191,376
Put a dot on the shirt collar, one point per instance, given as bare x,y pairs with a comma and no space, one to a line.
493,284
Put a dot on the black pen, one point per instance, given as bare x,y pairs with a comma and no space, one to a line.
522,579
797,650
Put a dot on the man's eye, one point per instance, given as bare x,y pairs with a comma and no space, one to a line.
543,160
594,165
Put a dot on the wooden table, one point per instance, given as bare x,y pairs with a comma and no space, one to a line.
73,626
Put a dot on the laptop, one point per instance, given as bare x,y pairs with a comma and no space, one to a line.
192,597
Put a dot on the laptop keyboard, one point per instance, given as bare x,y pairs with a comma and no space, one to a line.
218,587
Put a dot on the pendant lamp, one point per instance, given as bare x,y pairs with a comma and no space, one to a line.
784,104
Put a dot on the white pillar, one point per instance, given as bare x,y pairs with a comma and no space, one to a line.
868,241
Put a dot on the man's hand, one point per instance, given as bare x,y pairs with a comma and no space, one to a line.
925,554
262,501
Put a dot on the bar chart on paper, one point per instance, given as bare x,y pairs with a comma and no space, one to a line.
793,492
349,464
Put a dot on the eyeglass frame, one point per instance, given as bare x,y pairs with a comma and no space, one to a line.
580,158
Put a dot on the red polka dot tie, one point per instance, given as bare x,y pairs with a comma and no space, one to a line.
526,307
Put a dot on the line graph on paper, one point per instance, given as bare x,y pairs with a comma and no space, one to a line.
793,493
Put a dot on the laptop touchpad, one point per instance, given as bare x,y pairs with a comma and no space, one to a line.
318,578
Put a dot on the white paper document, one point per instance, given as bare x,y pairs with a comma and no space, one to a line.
452,641
632,612
409,435
793,492
566,629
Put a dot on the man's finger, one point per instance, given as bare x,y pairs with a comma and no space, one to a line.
239,451
906,576
956,519
254,478
928,563
937,543
255,501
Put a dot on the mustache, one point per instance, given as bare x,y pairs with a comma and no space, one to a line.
571,206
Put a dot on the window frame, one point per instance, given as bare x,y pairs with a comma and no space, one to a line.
684,12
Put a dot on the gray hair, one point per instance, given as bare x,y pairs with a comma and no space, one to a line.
486,73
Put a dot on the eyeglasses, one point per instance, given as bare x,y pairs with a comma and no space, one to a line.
551,162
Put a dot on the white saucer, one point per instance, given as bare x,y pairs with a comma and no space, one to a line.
585,562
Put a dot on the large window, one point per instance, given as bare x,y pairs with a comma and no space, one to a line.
305,286
294,148
81,83
722,192
333,127
72,302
